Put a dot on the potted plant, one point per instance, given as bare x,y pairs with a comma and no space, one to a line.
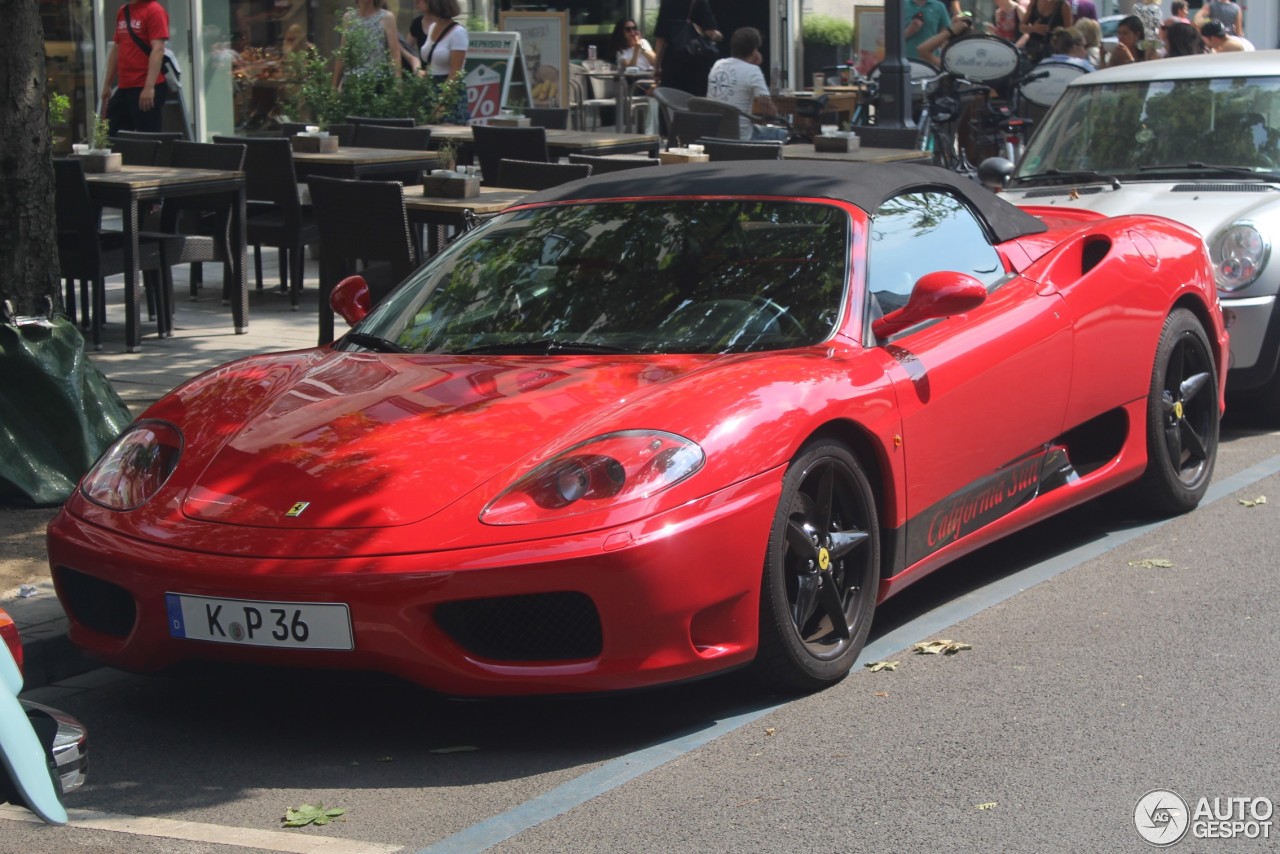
100,157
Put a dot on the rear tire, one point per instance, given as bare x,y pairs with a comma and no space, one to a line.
821,571
1182,418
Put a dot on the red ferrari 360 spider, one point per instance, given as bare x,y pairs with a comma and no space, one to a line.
653,425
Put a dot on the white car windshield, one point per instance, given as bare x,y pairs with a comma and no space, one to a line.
1156,128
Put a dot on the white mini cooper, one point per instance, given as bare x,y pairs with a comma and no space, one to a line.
1195,139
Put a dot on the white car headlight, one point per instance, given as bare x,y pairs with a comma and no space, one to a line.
135,467
1239,253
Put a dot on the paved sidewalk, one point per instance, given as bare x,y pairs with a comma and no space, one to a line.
203,338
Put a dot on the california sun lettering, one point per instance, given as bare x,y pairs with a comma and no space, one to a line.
980,504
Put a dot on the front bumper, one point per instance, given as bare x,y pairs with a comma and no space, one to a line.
676,594
1255,339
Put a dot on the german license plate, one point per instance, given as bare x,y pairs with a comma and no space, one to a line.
291,625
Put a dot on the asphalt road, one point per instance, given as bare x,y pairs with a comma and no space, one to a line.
1080,694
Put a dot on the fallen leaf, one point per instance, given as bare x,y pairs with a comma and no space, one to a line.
308,814
881,694
1152,563
945,646
989,805
769,730
461,748
877,666
1261,499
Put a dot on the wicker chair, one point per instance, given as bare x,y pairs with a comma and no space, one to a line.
733,149
601,164
532,175
686,126
276,215
360,222
553,118
491,144
88,253
207,229
166,139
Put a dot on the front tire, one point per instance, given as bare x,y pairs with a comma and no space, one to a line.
821,571
1182,418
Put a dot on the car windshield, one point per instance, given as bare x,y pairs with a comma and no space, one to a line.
707,276
1158,128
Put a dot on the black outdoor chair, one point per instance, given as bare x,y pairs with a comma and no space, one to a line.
600,164
207,227
687,126
89,254
363,228
135,152
671,100
552,118
532,175
491,144
733,149
391,136
276,215
397,122
166,139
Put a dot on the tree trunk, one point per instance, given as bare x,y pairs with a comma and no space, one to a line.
28,228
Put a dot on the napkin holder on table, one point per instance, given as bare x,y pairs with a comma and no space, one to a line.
450,185
309,143
682,155
838,142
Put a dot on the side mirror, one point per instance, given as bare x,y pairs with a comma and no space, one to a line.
940,294
350,299
994,173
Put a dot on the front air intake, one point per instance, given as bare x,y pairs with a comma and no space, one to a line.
99,605
535,627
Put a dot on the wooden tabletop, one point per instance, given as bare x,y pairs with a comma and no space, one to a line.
490,200
355,154
570,139
141,177
805,151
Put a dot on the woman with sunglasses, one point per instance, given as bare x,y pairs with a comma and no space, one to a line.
633,49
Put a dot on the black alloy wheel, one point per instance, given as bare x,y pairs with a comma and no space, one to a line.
1182,418
821,571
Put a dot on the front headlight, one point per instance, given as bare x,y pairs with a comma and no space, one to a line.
1239,253
597,474
135,467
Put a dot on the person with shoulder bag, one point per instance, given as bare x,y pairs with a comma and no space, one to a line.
1041,18
136,62
682,23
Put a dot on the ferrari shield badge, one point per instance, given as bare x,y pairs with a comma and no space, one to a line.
296,510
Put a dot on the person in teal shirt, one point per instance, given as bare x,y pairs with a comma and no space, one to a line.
921,20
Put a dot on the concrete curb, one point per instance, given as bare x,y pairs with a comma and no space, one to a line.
48,655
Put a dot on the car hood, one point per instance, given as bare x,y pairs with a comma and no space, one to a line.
1204,205
368,440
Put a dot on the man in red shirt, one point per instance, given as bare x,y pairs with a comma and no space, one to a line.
137,102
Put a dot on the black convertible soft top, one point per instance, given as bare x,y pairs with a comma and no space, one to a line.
866,185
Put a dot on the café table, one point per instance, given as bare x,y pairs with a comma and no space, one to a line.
355,162
561,143
131,186
802,108
440,211
805,151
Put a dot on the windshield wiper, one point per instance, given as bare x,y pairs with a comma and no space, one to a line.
545,346
1060,175
373,342
1212,167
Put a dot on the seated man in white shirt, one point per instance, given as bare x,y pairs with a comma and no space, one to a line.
738,81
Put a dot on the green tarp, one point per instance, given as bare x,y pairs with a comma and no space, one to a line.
58,413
